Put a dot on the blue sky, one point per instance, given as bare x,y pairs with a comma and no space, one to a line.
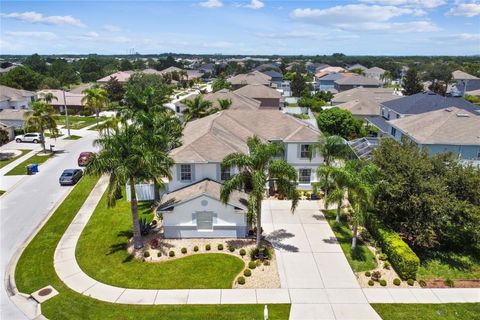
376,27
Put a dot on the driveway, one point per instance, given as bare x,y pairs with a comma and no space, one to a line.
312,264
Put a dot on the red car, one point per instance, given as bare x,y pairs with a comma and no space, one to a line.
83,158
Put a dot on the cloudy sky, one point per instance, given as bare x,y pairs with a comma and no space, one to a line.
377,27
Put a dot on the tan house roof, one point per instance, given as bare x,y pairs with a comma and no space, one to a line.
358,80
169,70
12,114
451,126
254,77
12,94
211,138
258,91
73,99
460,75
207,187
364,101
122,76
238,101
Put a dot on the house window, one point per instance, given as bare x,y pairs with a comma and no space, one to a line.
305,151
393,131
204,221
225,174
304,176
186,172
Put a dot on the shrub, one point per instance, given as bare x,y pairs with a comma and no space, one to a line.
220,246
371,282
386,265
376,275
383,257
243,252
241,280
159,254
383,283
208,247
410,282
422,283
260,253
397,281
368,274
258,263
184,250
154,243
449,282
247,272
195,248
266,262
171,253
252,265
231,248
146,254
403,259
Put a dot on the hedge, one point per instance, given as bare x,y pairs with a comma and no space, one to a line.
402,258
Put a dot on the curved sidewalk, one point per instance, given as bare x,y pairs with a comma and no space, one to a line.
325,298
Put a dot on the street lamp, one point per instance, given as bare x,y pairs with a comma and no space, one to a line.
66,112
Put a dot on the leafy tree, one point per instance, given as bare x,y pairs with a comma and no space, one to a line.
22,77
332,148
61,70
36,63
298,85
50,83
115,90
138,64
42,118
3,136
196,108
358,71
221,83
147,85
336,121
256,169
412,83
125,65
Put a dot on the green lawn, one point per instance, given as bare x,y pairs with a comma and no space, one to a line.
361,259
21,170
72,137
3,163
443,265
451,311
35,270
101,253
78,122
49,135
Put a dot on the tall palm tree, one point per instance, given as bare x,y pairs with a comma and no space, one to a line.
341,179
48,97
42,118
96,99
332,148
110,125
196,108
224,103
256,169
127,158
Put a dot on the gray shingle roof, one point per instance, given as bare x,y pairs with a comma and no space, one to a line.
238,101
258,91
358,80
12,94
273,74
460,75
425,102
254,77
364,101
332,76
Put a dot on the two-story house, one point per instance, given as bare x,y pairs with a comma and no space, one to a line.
18,99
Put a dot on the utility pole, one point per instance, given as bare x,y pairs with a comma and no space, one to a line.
66,112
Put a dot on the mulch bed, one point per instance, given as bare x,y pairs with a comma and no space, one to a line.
457,284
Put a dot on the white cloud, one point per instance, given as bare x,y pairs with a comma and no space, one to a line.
460,37
212,4
255,4
429,4
293,35
111,28
91,34
38,35
35,17
471,9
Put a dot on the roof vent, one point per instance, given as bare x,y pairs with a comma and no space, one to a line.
465,115
448,110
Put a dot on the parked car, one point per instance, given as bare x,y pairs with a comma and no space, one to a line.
70,177
83,158
34,137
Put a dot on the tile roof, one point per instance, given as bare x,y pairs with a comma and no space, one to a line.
12,114
122,76
73,99
254,77
426,101
12,94
451,126
238,101
207,187
211,138
258,91
364,101
169,70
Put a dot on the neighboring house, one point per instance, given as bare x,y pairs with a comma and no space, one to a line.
196,211
7,69
276,78
194,74
208,68
364,102
238,101
445,130
327,82
9,129
320,72
267,67
313,67
13,117
254,77
354,81
122,77
166,71
374,73
73,100
466,84
11,98
268,97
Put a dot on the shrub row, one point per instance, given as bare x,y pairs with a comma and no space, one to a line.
403,259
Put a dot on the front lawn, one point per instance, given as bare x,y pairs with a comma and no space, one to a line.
360,259
448,265
451,311
3,163
35,270
72,137
101,253
21,170
78,122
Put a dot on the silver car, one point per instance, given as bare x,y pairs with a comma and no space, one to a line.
34,137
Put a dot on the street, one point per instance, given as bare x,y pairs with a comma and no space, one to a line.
29,201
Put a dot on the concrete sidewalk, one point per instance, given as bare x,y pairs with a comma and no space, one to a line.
315,276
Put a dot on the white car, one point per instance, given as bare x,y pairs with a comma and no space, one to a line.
29,137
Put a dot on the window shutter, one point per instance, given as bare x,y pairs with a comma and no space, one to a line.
178,172
219,172
194,218
299,150
215,218
193,172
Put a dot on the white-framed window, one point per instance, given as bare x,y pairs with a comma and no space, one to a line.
305,151
186,172
225,173
393,131
205,221
304,176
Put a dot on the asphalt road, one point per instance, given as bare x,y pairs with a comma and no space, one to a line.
28,203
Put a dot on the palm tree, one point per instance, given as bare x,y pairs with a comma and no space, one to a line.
42,118
341,179
196,108
48,97
224,103
111,124
127,158
95,99
386,76
332,148
256,169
